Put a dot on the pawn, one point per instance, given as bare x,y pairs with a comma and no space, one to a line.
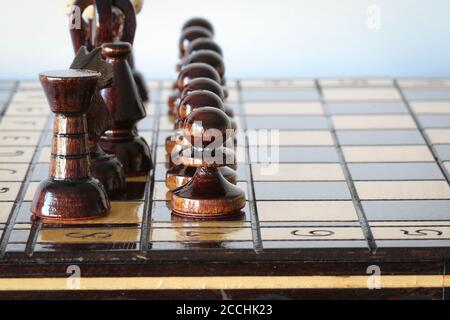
180,174
186,75
126,107
205,84
70,193
195,99
203,44
208,194
198,22
209,57
190,34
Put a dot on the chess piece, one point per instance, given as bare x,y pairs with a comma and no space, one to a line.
203,44
198,84
105,167
196,70
70,193
196,99
110,21
198,22
209,57
187,73
208,194
190,34
125,105
180,174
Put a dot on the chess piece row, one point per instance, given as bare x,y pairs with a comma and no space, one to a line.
97,105
202,176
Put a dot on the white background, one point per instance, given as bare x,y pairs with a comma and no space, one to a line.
260,38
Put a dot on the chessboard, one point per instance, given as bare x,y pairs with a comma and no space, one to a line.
349,197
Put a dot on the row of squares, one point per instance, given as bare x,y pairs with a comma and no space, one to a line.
336,190
421,213
350,122
290,94
227,234
283,83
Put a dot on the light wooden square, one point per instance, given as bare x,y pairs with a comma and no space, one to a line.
200,234
283,108
30,85
438,136
309,233
24,138
298,172
306,211
447,166
9,190
424,83
14,123
402,190
29,96
356,82
355,94
430,107
89,235
411,233
13,171
40,109
278,83
387,154
5,211
291,138
16,154
165,123
374,122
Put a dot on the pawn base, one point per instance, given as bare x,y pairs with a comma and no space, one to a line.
179,175
70,200
207,195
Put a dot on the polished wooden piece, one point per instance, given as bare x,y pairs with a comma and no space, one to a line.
209,57
190,34
70,193
105,167
113,20
126,107
208,194
198,22
203,44
179,174
186,75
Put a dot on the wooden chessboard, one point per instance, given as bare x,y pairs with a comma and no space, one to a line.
362,186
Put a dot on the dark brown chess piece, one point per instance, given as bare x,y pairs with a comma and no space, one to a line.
190,34
70,193
198,22
179,174
209,57
105,167
187,73
126,107
203,44
114,20
198,84
208,194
